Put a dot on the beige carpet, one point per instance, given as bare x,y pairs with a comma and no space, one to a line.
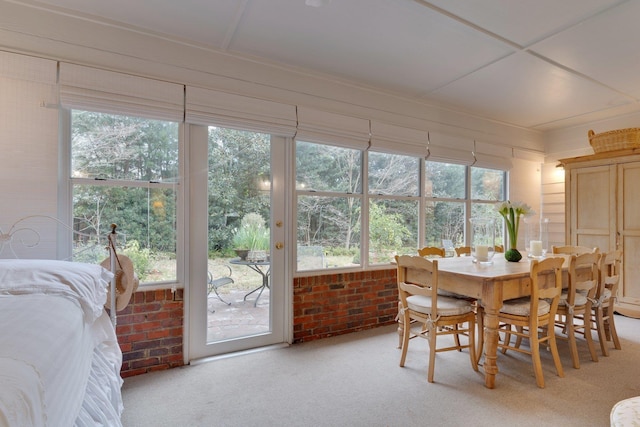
355,380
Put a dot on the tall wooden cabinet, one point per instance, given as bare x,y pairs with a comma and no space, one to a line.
602,199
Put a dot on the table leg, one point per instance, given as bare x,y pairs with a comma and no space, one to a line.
259,288
265,283
490,347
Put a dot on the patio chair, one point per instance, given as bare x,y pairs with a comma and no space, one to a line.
214,284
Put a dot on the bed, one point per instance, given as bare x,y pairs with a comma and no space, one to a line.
59,355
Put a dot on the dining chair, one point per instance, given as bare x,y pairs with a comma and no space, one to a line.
576,301
603,307
435,315
432,252
463,251
427,252
533,316
573,250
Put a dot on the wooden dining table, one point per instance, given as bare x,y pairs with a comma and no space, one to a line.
490,284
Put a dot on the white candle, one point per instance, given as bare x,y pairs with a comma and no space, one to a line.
535,246
482,253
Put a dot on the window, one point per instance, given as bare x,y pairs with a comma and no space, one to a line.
445,189
328,203
487,188
125,170
394,190
456,193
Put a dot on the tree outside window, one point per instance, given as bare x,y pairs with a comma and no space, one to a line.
124,170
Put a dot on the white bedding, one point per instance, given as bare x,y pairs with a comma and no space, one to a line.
59,357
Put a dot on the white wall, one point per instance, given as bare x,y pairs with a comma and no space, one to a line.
28,150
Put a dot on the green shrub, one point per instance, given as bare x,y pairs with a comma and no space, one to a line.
141,258
252,234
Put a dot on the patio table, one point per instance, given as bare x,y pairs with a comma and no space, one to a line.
263,268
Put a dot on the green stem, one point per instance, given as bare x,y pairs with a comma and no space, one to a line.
512,225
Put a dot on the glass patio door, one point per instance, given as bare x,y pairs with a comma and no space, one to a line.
236,285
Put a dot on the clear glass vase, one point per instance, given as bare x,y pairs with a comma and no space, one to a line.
483,240
537,237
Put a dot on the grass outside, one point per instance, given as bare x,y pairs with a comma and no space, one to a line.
243,276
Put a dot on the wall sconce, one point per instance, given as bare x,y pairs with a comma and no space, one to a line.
263,183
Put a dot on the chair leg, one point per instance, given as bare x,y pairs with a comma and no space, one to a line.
520,330
612,328
507,339
571,335
215,289
432,354
480,342
553,345
587,334
535,357
406,330
400,321
456,337
472,345
600,327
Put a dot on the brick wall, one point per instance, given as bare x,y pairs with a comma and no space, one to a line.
150,332
150,328
342,303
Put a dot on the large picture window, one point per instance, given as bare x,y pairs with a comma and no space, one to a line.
408,203
125,170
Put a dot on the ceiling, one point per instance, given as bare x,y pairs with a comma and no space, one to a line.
541,64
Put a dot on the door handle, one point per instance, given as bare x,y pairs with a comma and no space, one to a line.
279,245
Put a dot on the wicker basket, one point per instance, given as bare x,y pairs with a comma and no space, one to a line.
620,139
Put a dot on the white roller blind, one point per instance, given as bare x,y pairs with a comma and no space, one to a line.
394,139
331,128
211,107
23,67
492,156
87,88
450,149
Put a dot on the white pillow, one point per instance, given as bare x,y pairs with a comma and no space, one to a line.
87,283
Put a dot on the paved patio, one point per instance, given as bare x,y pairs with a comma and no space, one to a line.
238,319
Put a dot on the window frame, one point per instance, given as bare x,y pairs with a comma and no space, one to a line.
66,183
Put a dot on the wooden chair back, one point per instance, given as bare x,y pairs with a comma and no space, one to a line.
610,264
463,251
417,276
573,250
541,288
432,252
584,276
606,294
